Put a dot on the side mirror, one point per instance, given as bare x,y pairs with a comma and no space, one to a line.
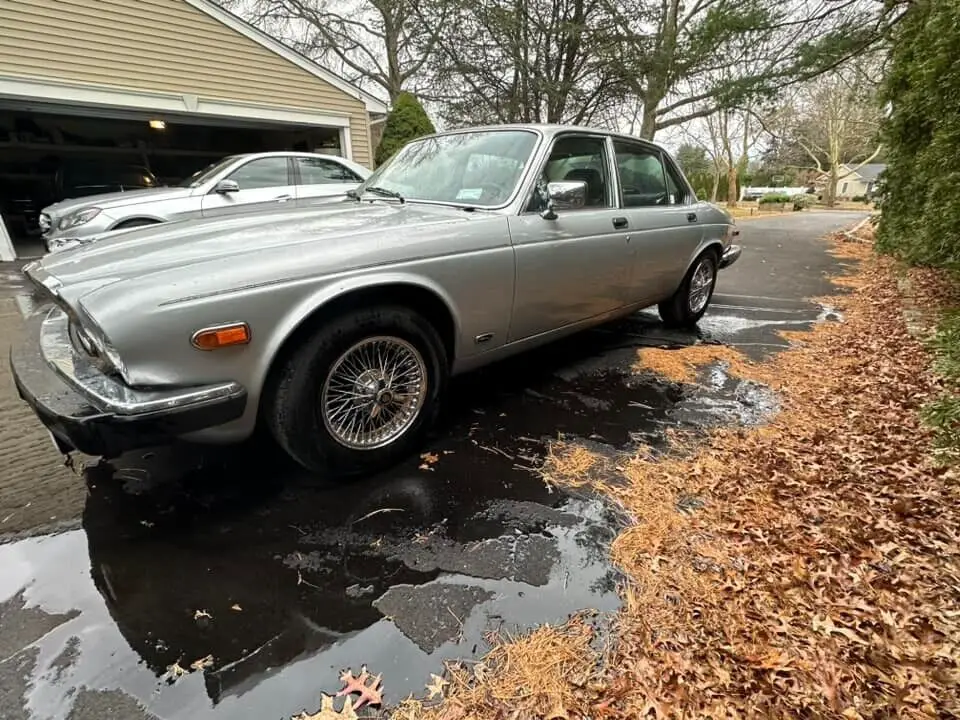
565,195
226,186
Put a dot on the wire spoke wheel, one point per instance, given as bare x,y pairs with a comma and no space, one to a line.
700,286
374,392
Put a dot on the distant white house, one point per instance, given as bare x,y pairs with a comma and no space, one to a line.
754,193
854,181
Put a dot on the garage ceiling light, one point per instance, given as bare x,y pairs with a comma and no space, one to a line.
158,124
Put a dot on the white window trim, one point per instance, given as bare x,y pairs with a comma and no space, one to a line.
46,90
372,103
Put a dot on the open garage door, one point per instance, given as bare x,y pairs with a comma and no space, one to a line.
49,152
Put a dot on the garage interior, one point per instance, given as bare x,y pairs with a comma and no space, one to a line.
45,148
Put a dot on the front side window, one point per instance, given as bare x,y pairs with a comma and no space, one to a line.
320,171
576,157
478,169
643,179
585,159
263,173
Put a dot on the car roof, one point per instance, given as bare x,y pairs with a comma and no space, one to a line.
549,130
287,153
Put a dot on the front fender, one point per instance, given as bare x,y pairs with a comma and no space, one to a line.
317,299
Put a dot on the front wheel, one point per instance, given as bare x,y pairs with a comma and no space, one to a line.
359,394
692,298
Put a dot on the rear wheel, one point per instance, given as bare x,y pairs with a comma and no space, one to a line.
692,298
359,394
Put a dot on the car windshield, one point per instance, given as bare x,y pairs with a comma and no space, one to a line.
201,176
476,169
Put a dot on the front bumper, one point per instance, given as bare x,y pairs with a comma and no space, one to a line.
97,414
730,256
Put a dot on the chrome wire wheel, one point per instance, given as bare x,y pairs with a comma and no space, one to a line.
374,392
701,283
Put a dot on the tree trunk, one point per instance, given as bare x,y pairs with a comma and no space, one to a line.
716,184
832,187
648,127
731,185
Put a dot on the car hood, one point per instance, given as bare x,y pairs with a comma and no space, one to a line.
327,236
108,201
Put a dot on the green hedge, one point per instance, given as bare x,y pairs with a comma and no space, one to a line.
772,198
921,186
920,190
943,414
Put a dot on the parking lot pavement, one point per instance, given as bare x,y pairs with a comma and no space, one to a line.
163,558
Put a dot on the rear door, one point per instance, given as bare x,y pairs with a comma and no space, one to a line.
663,219
265,183
321,180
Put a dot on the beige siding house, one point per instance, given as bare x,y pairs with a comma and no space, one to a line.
182,57
854,180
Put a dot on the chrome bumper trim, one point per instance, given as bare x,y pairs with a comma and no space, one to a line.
110,394
730,256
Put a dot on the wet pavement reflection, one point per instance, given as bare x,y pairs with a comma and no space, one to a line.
284,579
270,581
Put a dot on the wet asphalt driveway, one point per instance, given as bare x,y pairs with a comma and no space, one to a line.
112,573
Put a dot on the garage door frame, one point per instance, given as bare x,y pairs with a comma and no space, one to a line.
76,95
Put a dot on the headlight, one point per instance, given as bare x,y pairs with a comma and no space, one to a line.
81,217
95,344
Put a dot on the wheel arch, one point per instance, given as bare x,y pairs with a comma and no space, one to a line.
415,293
149,219
714,244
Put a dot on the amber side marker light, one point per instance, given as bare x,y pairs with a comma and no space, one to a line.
221,336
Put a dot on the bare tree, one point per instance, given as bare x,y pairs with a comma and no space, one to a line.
673,53
379,42
837,124
525,61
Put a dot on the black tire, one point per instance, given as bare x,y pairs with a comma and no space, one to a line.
293,407
676,311
135,222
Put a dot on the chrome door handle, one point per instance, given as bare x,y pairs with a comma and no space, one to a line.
691,217
283,198
620,222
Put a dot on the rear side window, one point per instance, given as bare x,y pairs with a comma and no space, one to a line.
320,171
643,181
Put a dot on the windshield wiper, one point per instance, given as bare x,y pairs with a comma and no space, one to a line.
377,190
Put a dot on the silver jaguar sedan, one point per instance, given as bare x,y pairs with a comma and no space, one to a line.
252,182
338,326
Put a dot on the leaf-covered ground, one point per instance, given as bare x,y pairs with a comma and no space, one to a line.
807,568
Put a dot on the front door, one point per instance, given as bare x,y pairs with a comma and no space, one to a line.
265,183
663,217
322,180
576,266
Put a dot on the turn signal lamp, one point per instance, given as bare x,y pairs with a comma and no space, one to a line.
221,336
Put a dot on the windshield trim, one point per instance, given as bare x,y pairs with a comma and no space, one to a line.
518,187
